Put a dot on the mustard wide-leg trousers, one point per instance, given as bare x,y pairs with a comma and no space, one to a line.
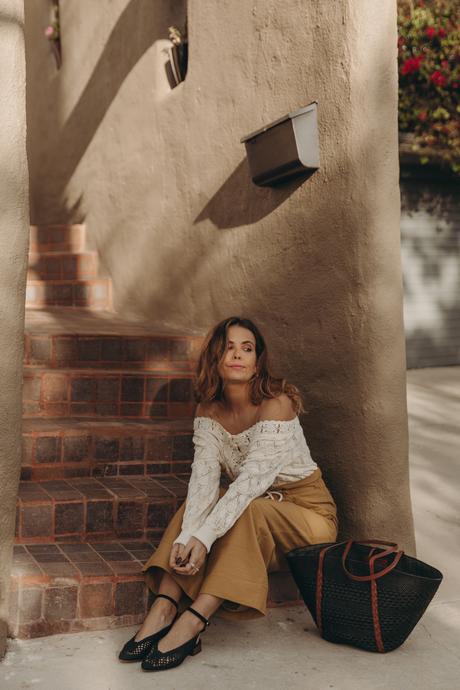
238,563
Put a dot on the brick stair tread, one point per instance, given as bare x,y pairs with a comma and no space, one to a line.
101,508
93,293
63,265
104,353
57,237
62,448
66,281
168,487
125,427
81,321
92,372
69,587
163,391
93,585
63,252
42,562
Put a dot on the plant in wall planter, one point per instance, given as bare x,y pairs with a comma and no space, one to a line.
178,53
53,34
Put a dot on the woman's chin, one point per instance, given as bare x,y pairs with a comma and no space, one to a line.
237,379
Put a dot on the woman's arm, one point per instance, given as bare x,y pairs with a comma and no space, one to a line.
266,457
203,487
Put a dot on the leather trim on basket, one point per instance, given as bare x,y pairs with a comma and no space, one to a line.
373,582
375,608
319,589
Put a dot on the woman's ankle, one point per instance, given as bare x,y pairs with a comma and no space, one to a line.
162,604
162,615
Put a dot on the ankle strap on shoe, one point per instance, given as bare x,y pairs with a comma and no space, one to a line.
197,613
166,596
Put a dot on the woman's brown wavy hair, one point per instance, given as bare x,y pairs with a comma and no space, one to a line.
208,384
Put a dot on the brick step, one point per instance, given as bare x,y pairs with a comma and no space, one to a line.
63,448
69,587
110,351
55,321
100,508
93,294
113,393
57,238
62,266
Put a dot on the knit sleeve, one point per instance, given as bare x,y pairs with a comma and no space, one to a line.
203,487
267,453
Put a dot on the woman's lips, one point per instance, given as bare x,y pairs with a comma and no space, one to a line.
236,366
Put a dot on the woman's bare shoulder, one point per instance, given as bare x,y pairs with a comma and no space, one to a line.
278,408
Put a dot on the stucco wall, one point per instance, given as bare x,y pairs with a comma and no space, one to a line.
162,182
14,236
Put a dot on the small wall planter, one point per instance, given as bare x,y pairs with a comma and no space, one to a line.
178,54
285,148
53,34
178,57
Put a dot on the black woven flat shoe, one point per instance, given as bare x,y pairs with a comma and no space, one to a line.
159,661
136,650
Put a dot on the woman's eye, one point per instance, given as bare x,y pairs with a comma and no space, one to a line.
246,349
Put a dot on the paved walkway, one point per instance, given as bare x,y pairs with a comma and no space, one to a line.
285,650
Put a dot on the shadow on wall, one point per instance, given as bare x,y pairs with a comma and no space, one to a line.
430,247
239,202
118,57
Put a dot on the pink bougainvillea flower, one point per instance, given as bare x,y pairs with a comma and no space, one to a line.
445,64
437,78
454,84
430,31
411,65
442,32
49,31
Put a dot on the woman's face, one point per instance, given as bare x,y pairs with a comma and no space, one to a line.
239,360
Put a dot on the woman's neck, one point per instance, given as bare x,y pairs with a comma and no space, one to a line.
237,399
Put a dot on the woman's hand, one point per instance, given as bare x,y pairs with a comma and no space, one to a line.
192,552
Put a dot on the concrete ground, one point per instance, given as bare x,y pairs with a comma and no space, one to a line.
284,650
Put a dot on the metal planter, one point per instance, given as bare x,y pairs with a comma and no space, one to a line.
285,148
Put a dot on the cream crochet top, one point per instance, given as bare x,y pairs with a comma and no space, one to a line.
266,454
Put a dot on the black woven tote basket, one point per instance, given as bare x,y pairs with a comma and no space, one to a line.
362,595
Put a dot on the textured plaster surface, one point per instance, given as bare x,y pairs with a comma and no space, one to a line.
14,234
162,181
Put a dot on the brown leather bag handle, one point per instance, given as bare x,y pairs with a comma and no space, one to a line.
372,578
372,559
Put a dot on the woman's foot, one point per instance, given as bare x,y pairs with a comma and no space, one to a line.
186,626
160,615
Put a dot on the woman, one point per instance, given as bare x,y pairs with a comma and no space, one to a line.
220,545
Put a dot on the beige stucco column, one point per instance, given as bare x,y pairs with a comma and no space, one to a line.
161,179
14,237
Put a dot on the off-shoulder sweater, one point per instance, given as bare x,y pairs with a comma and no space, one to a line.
265,455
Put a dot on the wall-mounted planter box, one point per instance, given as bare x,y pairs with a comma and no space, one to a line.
285,148
178,57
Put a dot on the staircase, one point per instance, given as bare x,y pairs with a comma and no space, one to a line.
107,447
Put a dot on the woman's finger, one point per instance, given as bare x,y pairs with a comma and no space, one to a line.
173,554
176,553
196,558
